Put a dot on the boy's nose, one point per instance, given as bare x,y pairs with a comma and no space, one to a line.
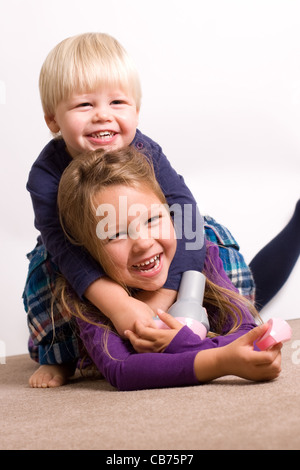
102,114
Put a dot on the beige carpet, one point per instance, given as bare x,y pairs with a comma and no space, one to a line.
228,413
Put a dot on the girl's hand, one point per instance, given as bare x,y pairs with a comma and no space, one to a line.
239,358
148,339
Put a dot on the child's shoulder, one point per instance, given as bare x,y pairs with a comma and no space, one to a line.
50,163
55,149
144,143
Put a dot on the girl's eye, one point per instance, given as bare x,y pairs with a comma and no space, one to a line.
118,236
154,219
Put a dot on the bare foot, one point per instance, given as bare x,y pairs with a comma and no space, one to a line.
51,375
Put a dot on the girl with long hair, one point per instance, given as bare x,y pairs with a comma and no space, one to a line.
111,204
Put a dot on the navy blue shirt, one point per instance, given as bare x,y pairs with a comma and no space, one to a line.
74,262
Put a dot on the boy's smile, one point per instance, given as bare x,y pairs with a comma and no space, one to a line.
102,118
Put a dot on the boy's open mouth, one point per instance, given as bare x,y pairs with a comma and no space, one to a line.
103,135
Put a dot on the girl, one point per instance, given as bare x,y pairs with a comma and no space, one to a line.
136,251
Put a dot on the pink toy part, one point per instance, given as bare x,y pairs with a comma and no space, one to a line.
197,327
279,331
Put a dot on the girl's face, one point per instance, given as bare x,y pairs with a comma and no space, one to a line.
105,118
137,235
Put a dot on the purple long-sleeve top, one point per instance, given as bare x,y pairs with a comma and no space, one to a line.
126,369
77,266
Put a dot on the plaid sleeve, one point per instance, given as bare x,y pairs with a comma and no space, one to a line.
233,261
53,338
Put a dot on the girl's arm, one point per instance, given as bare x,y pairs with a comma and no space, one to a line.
125,369
239,358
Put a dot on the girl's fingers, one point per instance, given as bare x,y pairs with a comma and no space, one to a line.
254,334
269,356
170,321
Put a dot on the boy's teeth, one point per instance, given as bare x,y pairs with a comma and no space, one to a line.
103,134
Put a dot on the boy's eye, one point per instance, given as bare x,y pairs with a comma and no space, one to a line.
83,105
116,102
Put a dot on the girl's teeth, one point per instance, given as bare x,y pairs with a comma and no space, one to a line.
155,260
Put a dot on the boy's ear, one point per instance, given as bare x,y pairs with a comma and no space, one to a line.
52,124
137,117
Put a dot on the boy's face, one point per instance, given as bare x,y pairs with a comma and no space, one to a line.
106,118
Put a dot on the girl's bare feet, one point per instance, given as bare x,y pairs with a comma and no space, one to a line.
47,376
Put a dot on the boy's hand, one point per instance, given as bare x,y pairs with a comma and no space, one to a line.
162,298
115,303
132,311
152,339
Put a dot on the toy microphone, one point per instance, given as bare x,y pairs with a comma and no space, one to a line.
188,307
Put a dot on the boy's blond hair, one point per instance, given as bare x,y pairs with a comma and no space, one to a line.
80,64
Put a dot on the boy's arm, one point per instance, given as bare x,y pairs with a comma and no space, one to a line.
115,303
77,266
161,299
189,224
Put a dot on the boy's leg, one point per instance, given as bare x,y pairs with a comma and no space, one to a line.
273,264
48,376
233,261
53,340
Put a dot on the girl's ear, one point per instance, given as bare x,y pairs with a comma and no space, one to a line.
52,124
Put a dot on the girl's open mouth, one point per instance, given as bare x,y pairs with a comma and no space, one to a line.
150,266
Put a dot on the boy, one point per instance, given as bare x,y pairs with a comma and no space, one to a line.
91,97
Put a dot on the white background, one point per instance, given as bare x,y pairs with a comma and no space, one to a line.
221,94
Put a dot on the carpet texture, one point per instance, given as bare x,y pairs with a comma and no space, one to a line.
228,413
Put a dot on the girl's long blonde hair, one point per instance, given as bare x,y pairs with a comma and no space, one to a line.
81,182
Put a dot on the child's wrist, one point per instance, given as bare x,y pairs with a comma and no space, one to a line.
208,365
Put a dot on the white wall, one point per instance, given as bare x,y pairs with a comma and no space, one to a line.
221,86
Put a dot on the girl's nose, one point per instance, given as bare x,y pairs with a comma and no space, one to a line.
142,244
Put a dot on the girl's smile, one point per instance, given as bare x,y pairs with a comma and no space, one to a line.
150,267
138,238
